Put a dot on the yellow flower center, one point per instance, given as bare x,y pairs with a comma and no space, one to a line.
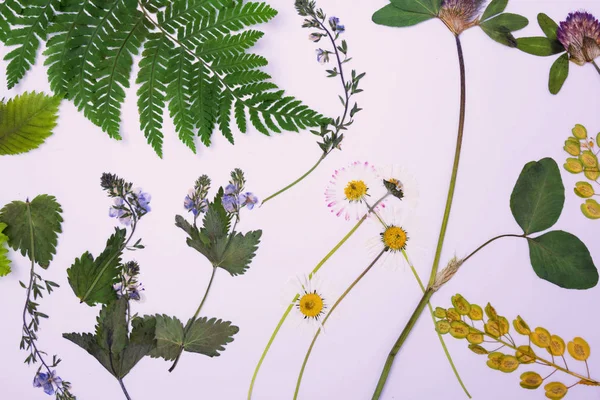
394,238
311,305
355,190
396,182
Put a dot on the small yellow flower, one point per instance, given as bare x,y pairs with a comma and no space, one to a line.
540,337
394,238
521,326
461,305
476,313
557,346
579,349
355,190
555,390
531,380
311,305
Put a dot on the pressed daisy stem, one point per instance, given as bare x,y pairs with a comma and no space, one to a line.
313,272
596,66
191,321
438,252
297,180
338,301
446,351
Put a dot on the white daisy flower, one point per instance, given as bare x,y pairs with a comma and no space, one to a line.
309,308
392,237
404,182
353,189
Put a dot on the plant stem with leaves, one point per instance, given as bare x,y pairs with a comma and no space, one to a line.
332,136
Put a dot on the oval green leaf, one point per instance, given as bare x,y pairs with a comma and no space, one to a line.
494,8
538,197
507,21
539,46
429,7
558,73
501,36
561,258
393,16
549,27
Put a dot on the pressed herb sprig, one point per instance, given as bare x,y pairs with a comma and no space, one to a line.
492,337
32,227
329,30
584,159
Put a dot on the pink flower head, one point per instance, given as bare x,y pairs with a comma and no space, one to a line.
580,36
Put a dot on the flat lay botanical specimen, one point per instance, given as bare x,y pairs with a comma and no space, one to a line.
577,38
26,121
331,134
32,227
120,340
194,58
461,320
584,159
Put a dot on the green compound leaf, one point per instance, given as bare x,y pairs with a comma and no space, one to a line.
549,27
396,17
26,121
169,337
110,344
494,8
561,258
209,337
4,261
538,197
39,220
558,73
539,46
92,280
237,251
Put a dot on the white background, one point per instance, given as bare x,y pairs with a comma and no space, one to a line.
410,116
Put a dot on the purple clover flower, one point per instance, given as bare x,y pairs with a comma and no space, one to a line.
580,36
459,15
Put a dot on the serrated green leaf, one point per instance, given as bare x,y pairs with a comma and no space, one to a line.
169,337
92,280
111,330
237,251
88,342
561,258
539,46
506,21
216,222
26,122
141,343
209,337
549,27
538,197
494,8
4,261
33,227
395,17
558,73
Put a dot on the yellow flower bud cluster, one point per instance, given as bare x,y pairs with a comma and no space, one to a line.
584,159
480,326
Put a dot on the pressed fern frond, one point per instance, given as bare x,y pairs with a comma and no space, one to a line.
194,57
26,121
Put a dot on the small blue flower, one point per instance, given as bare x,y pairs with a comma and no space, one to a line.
230,203
47,382
143,200
315,37
334,22
118,211
231,189
340,28
322,56
248,199
193,204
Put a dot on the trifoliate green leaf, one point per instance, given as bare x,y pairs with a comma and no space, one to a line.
169,337
209,337
237,251
33,227
26,121
563,259
4,261
93,280
494,8
538,197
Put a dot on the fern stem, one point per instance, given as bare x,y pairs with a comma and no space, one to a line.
296,181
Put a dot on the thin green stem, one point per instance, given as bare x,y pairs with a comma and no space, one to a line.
490,241
443,343
429,292
193,319
312,273
124,389
296,181
338,301
596,66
